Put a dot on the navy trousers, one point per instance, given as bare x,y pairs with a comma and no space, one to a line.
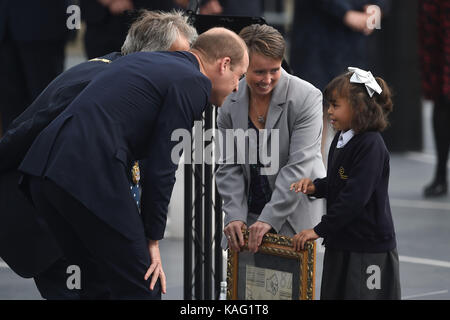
105,258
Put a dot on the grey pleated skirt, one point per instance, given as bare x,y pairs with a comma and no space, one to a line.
360,276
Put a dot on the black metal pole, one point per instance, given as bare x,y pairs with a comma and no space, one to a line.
207,243
218,221
198,208
187,231
218,257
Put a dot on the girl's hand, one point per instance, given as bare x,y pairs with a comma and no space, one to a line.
300,239
304,185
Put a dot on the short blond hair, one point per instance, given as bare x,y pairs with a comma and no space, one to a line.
265,40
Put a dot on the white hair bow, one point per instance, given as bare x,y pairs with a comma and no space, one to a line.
366,78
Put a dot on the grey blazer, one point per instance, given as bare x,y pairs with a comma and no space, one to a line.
296,112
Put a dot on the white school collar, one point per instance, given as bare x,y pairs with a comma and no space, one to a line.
344,138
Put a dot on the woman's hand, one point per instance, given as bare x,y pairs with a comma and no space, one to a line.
304,185
155,268
300,239
256,234
233,232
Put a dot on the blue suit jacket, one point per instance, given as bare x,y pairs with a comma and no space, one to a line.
89,149
25,242
47,106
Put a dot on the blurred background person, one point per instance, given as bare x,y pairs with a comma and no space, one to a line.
33,34
107,22
212,7
434,49
250,8
327,37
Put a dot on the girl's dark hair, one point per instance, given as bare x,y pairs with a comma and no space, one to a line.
369,114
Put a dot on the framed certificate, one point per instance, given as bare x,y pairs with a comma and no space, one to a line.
275,272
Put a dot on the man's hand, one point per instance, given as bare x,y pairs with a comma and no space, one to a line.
300,239
233,232
256,234
155,267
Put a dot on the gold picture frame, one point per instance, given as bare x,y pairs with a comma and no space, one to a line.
276,259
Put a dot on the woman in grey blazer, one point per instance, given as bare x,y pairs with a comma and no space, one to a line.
255,188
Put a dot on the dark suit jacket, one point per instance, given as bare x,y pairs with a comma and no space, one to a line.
47,106
34,20
88,150
25,242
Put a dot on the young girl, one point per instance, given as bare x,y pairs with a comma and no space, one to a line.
361,260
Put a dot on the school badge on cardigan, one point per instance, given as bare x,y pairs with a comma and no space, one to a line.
342,174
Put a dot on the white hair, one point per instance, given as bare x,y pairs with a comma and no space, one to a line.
157,31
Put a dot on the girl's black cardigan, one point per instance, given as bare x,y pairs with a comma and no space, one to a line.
358,214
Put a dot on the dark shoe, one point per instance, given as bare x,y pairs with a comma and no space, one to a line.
435,189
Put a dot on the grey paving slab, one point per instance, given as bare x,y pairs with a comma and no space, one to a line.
422,231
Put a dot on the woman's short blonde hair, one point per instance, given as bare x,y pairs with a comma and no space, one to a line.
265,40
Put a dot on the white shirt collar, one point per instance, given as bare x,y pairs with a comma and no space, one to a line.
344,138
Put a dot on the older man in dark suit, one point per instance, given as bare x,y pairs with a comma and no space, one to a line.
25,242
77,168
